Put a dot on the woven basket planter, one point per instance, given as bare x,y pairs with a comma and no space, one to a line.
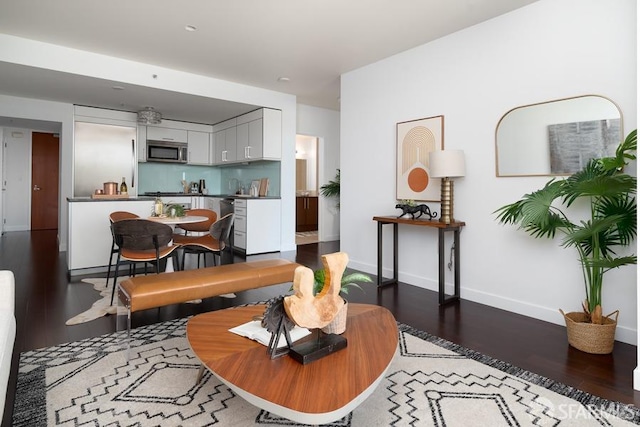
339,323
590,337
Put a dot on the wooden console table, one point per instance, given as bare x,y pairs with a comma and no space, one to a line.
455,227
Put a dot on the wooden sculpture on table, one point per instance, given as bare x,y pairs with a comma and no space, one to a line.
317,311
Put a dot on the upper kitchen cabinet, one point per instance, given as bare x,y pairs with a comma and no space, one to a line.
260,135
250,136
225,142
253,136
197,136
166,134
104,116
199,148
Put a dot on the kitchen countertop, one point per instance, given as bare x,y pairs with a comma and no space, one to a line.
169,195
218,196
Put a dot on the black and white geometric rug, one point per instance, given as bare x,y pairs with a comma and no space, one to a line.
431,382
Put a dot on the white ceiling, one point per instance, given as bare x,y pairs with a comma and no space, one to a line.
253,42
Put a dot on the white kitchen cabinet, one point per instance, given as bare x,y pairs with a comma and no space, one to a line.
224,142
257,225
260,135
104,116
250,143
197,202
255,148
155,133
89,237
142,143
218,146
242,140
271,134
249,140
225,145
186,201
240,226
199,148
253,136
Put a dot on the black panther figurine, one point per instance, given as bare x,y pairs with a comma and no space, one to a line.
413,210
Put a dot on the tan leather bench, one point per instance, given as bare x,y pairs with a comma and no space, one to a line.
157,290
143,292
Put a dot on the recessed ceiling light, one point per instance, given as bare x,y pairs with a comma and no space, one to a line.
117,87
190,28
283,79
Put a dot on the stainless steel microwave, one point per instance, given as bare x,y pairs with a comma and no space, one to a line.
166,151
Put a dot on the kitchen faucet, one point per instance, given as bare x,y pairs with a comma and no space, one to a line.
236,186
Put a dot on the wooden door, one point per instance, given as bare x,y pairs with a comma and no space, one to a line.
44,181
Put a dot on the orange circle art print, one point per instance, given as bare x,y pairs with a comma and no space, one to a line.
415,140
418,180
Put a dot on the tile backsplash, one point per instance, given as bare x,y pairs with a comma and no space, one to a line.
168,177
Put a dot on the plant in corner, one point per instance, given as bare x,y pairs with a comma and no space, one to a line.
610,194
332,188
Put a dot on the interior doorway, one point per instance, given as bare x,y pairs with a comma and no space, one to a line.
307,212
44,180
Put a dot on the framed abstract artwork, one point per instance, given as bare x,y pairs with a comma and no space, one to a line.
415,139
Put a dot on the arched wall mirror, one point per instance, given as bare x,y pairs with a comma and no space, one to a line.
557,137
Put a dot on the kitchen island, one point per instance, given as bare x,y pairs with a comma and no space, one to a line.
90,234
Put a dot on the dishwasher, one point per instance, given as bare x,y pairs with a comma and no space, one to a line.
227,207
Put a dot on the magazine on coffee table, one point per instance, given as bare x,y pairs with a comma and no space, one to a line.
254,330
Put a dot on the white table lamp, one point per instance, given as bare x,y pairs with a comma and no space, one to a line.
446,164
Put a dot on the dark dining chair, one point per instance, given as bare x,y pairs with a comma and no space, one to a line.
216,241
193,231
142,241
113,217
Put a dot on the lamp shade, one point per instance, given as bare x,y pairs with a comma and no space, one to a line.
446,163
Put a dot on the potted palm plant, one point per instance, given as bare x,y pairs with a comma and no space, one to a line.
610,193
332,188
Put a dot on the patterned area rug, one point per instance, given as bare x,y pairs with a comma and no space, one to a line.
431,382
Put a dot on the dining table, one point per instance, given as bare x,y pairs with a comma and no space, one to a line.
172,221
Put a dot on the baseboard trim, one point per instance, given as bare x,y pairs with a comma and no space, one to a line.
623,333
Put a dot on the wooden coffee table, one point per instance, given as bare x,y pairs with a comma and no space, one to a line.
317,393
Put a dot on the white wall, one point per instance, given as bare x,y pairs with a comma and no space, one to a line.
62,115
17,172
324,124
547,50
48,56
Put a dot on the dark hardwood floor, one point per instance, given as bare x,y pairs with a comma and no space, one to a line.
46,298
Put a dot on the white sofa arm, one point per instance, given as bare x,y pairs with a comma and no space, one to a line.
7,331
7,291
